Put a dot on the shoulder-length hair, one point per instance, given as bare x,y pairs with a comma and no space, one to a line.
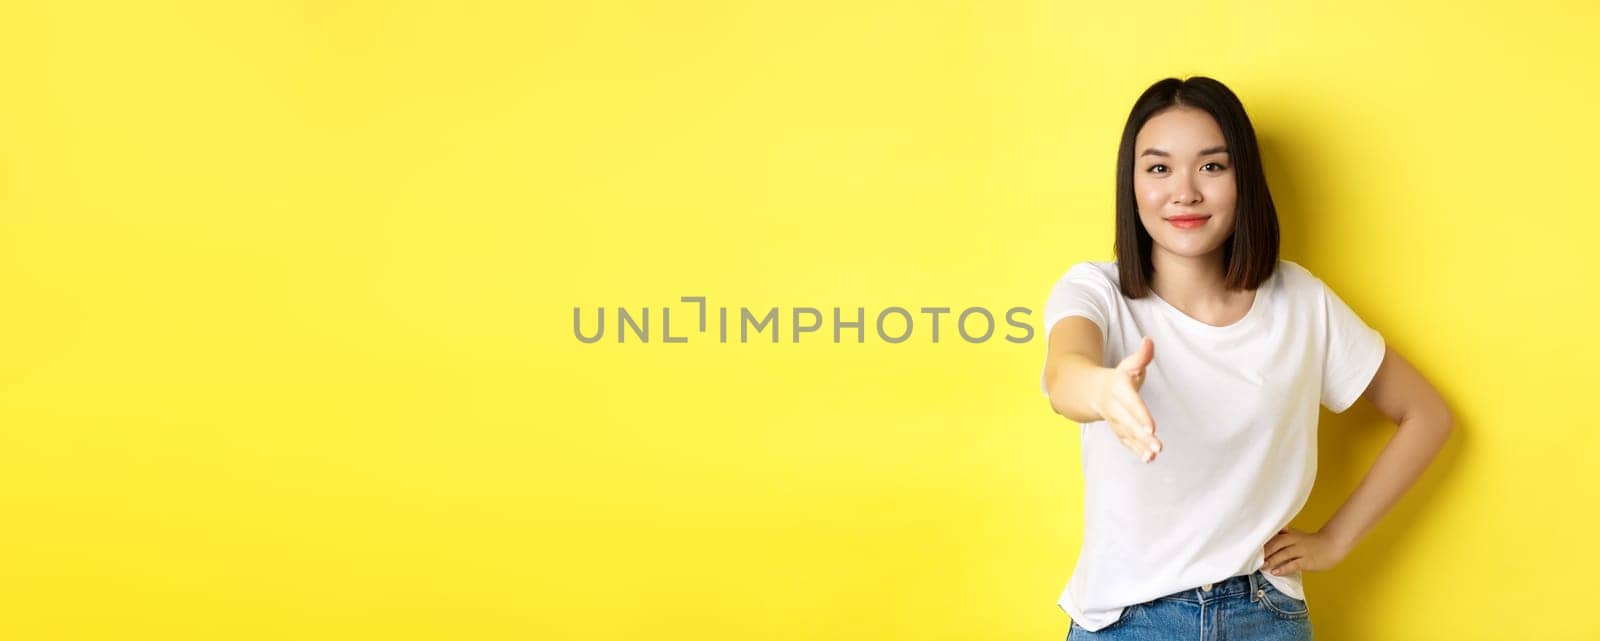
1251,253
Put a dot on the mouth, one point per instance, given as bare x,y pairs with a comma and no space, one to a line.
1188,221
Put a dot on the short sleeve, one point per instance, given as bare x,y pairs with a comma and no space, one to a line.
1353,351
1083,291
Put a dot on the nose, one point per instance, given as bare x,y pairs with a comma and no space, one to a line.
1187,194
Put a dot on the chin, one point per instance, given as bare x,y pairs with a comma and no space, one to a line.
1190,250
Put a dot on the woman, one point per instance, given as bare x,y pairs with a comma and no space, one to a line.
1196,460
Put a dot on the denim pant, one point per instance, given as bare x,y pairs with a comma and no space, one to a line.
1241,608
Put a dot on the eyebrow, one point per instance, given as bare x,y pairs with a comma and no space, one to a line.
1152,151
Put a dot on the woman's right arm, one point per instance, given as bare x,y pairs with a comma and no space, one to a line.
1083,391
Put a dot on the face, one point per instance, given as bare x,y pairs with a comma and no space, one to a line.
1181,168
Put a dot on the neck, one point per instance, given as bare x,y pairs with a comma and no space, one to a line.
1187,281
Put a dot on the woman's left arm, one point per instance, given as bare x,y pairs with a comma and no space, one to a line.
1400,392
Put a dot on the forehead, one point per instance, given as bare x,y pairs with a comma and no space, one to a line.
1179,130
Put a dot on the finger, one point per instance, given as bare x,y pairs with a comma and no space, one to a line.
1122,412
1128,397
1139,358
1132,441
1283,555
1138,451
1132,436
1285,537
1287,568
1137,410
1128,362
1147,351
1134,447
1277,543
1138,433
1138,419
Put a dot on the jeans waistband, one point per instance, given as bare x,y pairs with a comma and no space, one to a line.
1240,585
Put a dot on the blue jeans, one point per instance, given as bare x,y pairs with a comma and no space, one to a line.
1241,608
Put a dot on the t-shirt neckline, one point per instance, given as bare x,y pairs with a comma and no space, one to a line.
1256,306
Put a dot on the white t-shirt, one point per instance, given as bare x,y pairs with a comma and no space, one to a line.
1235,408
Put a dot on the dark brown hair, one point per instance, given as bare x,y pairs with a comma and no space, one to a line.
1250,254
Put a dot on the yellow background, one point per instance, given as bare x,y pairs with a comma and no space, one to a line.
288,354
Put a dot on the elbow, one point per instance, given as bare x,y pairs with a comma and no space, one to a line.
1445,418
1442,420
1433,418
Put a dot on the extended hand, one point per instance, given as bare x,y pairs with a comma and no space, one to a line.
1117,400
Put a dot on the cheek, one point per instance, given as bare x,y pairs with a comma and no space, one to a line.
1223,192
1149,195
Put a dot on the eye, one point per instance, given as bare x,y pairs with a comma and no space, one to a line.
1153,169
1219,166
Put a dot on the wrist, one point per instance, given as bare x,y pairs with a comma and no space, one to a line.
1342,542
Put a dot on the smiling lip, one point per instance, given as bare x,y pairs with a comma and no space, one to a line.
1188,221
